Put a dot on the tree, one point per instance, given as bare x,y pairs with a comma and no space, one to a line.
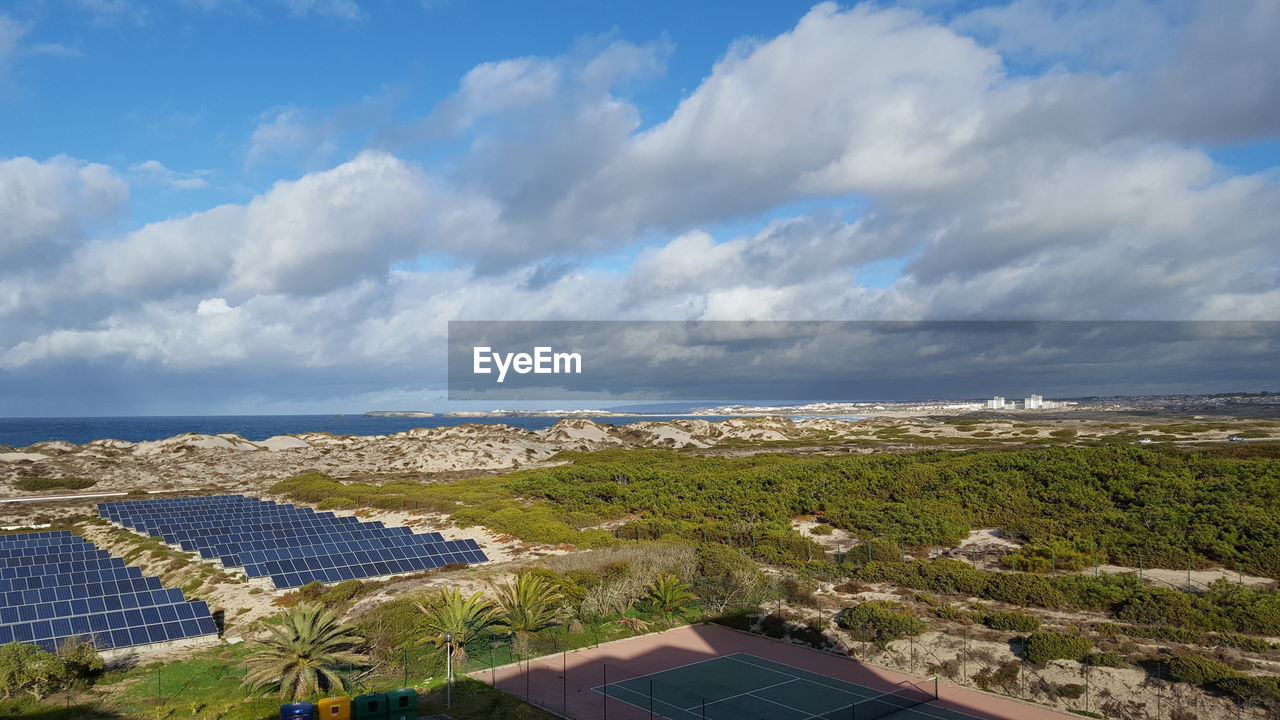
528,603
465,618
668,595
301,656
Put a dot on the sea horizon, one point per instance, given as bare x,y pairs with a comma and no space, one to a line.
20,432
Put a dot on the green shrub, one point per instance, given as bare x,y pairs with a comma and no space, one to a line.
1199,669
36,484
1043,647
1105,659
821,529
880,622
28,669
1249,688
342,593
1011,621
1070,691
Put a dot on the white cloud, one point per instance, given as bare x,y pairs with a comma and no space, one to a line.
1072,194
48,206
154,172
288,133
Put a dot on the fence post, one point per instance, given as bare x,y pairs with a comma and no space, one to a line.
604,688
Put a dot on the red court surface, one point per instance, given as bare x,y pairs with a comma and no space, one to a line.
577,697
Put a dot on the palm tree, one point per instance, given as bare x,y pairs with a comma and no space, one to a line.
668,595
465,618
301,656
528,603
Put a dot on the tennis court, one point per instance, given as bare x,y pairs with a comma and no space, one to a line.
741,686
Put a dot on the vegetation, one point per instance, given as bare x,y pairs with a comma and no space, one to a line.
1154,506
1011,621
1198,669
301,656
1215,675
453,620
529,603
880,622
1105,659
1043,647
668,596
1223,607
28,669
37,484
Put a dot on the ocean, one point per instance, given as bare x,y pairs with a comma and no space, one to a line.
18,432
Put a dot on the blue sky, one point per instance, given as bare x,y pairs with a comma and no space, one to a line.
265,198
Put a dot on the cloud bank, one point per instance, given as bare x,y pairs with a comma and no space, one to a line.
1007,174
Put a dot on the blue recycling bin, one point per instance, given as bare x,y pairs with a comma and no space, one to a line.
298,711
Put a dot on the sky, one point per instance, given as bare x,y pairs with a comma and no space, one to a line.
226,206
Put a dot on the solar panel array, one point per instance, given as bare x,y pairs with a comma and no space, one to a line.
291,545
55,585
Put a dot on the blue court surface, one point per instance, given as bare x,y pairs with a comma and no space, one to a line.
745,687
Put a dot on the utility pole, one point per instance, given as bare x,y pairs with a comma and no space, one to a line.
448,677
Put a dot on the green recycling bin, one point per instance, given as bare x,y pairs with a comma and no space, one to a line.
369,707
402,704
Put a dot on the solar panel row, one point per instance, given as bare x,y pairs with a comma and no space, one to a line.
291,545
55,586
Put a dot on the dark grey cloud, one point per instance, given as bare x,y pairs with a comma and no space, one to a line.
862,361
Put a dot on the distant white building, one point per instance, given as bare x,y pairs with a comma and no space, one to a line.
995,403
1035,402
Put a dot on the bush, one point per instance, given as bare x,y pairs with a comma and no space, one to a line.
821,529
36,484
28,669
1043,647
1012,621
797,590
1105,659
1199,669
341,594
727,578
1004,676
1250,688
1070,691
880,622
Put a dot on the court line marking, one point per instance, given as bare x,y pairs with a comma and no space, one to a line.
741,694
805,714
794,678
659,672
844,684
643,697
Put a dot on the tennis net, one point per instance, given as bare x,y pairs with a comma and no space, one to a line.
888,703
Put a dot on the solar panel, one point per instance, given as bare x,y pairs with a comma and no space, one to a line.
55,586
291,545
